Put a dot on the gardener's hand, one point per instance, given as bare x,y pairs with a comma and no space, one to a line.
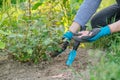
93,35
65,42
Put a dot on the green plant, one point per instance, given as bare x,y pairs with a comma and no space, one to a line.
105,71
30,36
33,43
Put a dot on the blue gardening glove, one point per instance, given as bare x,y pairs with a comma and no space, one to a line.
71,57
103,32
96,34
68,35
65,42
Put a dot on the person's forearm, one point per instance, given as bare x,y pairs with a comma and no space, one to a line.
74,27
115,27
84,13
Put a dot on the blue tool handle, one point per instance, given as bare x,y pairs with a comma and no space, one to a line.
72,54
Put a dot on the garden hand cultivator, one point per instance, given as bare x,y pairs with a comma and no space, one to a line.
72,54
65,43
63,46
78,40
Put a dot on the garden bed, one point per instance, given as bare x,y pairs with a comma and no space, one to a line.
53,70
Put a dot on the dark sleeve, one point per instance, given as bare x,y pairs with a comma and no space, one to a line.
118,2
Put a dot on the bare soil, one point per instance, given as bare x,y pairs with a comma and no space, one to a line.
54,69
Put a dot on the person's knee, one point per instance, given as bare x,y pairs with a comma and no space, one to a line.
98,21
94,22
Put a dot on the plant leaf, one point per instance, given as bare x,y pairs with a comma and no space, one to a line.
36,5
3,33
2,45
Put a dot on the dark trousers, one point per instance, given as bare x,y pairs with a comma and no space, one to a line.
106,16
